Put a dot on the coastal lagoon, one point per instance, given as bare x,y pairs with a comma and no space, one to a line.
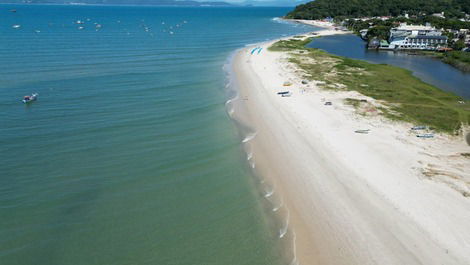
129,155
430,70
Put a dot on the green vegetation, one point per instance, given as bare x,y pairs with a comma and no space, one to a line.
288,45
458,59
381,32
403,96
353,102
320,9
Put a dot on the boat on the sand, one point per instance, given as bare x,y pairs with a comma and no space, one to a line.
425,135
417,128
365,131
285,93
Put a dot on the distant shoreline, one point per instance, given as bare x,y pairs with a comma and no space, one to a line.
129,5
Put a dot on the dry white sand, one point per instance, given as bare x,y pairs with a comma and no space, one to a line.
316,23
353,198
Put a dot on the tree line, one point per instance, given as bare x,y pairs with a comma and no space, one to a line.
343,9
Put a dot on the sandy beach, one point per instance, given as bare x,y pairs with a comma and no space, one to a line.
386,197
316,23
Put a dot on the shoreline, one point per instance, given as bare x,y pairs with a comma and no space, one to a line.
360,201
315,23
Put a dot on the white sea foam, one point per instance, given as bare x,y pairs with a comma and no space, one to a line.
231,100
294,261
275,209
294,249
249,137
230,112
269,193
251,44
283,230
252,164
283,21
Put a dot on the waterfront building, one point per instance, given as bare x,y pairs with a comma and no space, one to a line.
441,15
363,33
416,37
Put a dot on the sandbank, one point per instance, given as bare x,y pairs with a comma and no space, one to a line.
352,198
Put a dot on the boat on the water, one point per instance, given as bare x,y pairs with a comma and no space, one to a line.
29,99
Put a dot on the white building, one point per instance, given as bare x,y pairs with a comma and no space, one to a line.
416,37
441,15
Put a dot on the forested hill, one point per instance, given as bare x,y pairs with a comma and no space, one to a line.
365,8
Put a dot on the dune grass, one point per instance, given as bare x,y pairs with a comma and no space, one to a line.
404,96
289,45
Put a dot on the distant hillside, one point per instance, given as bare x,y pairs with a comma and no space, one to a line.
124,2
273,2
363,8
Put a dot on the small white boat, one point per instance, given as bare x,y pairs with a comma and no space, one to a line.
29,99
425,135
366,131
17,26
417,128
285,93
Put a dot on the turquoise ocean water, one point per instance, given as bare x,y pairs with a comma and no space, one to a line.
129,155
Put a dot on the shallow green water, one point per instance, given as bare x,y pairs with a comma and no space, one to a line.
128,156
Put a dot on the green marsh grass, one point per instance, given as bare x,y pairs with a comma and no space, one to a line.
404,96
